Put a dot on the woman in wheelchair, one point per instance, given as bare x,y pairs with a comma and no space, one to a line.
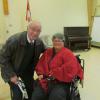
56,69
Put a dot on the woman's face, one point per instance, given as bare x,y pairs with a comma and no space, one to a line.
57,43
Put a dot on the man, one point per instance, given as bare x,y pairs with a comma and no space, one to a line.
18,58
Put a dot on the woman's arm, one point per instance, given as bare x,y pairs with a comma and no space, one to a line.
68,69
41,63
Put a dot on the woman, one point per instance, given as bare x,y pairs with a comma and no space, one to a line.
56,69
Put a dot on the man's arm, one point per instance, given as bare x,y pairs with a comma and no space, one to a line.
5,60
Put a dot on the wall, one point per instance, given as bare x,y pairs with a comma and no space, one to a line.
53,14
96,29
2,24
97,12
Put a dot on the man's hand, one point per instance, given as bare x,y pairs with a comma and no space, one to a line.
40,77
14,79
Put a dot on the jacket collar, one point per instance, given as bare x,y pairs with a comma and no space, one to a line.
24,41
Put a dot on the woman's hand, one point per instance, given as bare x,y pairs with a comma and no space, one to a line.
40,77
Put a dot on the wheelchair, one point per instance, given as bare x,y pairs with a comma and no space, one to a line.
74,91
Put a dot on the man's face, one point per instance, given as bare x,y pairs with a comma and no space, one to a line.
34,31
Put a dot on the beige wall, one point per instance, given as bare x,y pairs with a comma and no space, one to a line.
98,2
53,14
97,13
2,24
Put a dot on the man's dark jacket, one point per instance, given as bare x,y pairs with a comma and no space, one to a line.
14,52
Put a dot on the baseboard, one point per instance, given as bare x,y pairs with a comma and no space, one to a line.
95,44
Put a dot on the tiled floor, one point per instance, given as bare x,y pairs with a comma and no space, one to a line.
91,90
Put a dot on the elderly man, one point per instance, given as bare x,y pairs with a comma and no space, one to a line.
18,58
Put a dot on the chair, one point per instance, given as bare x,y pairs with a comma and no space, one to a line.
74,92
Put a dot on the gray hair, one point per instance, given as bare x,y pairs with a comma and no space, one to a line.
59,36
